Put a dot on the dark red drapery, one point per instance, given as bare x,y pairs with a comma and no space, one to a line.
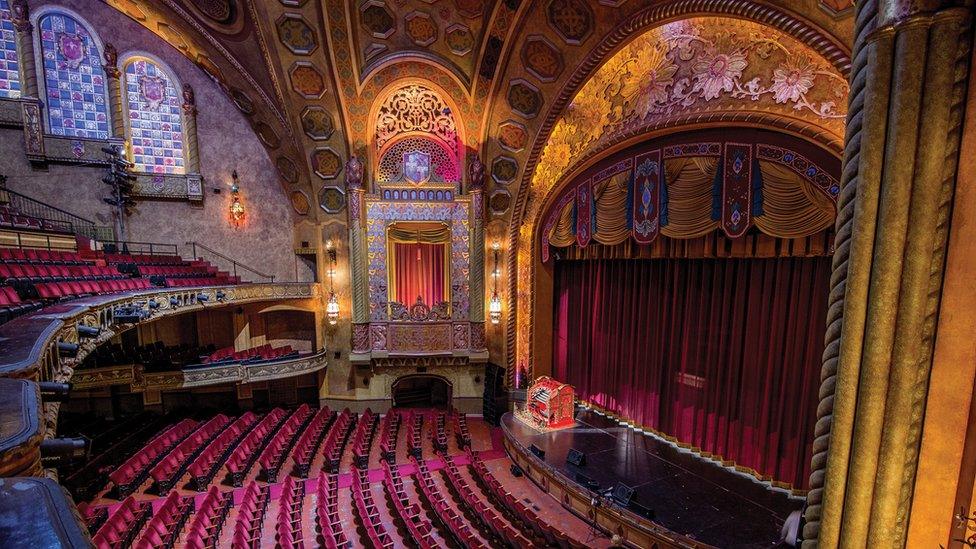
722,354
419,271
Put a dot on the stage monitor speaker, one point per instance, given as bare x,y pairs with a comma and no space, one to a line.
587,482
575,457
516,470
539,452
622,494
641,510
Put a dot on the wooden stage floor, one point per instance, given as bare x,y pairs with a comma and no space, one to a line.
687,494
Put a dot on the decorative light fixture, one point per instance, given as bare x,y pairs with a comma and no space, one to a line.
237,212
495,305
332,307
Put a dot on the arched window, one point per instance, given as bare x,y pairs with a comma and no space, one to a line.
9,64
74,81
153,115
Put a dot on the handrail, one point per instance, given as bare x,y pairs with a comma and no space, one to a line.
150,248
234,264
31,207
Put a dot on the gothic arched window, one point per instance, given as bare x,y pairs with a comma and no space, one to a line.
9,63
152,104
74,80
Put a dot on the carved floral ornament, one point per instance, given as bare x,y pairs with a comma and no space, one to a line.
413,109
670,74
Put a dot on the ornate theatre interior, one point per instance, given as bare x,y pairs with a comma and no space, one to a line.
487,273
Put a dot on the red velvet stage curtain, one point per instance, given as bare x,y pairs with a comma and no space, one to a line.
722,354
419,271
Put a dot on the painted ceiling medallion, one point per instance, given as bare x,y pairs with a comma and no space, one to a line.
571,19
267,135
542,59
377,19
524,98
503,170
512,136
332,199
287,169
499,202
459,39
317,123
299,202
420,28
306,80
470,8
296,34
326,163
221,11
242,101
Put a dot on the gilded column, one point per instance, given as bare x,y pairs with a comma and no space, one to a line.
357,254
115,99
476,285
902,145
20,16
190,125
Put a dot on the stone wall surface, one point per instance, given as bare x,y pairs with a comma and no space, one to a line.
226,143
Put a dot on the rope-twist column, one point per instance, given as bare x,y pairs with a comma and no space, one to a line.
898,175
190,127
114,80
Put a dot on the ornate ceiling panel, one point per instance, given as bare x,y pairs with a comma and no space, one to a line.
448,32
310,74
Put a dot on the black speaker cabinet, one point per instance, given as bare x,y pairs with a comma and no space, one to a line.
622,494
576,457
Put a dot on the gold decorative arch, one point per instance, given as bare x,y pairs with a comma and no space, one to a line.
685,73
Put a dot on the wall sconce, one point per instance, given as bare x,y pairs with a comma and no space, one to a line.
237,212
332,307
495,305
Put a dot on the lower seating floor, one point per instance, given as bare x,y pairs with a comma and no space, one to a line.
265,529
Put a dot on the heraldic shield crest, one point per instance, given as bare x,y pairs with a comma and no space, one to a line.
72,49
416,167
153,90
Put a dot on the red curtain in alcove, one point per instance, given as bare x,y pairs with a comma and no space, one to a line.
722,354
420,270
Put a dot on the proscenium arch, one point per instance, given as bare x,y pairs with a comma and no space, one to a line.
652,17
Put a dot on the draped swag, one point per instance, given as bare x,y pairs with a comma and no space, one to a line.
418,258
791,206
720,355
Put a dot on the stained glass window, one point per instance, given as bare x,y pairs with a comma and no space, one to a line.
154,114
74,80
9,75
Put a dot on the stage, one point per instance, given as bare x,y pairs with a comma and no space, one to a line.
687,495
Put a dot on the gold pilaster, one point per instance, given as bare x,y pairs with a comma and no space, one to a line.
190,127
114,81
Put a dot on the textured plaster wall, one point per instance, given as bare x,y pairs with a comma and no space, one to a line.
226,143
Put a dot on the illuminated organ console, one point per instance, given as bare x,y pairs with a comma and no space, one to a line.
549,405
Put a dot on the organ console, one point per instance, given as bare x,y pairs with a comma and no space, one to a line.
549,404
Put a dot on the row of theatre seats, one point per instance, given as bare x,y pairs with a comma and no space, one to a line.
13,218
31,278
263,352
483,514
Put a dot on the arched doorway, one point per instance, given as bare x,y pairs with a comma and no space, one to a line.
421,391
